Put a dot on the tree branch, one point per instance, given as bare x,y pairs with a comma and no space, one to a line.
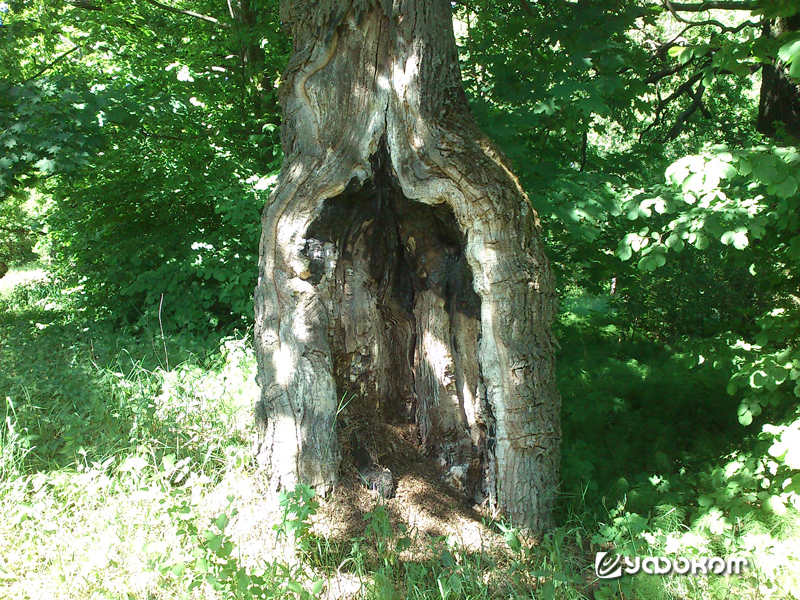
659,75
584,147
714,23
712,5
50,65
680,91
527,8
188,13
88,5
21,230
173,138
697,102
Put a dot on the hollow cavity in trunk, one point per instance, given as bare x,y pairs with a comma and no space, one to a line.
404,324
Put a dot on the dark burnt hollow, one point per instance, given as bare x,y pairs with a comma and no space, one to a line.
389,251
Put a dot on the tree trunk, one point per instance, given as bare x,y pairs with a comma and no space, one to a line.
779,104
401,270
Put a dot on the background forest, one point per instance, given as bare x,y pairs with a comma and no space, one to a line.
139,141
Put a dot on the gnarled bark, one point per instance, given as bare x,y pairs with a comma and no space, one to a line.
401,266
779,102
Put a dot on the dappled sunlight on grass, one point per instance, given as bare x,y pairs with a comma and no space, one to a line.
18,276
122,478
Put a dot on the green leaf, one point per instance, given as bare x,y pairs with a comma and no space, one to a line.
209,535
674,242
787,187
708,76
201,565
765,171
294,587
790,51
721,169
168,461
651,262
225,550
696,182
794,69
546,106
745,417
404,543
549,591
447,558
133,463
317,587
738,238
744,167
213,581
776,505
46,165
758,379
216,545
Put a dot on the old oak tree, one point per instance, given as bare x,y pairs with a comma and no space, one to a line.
401,269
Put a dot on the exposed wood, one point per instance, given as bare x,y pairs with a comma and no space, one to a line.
401,268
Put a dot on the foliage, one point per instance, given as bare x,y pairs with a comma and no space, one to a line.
691,247
138,143
155,153
213,564
298,506
614,388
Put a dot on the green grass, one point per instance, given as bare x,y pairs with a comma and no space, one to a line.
126,473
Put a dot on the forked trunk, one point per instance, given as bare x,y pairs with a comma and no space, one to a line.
401,269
